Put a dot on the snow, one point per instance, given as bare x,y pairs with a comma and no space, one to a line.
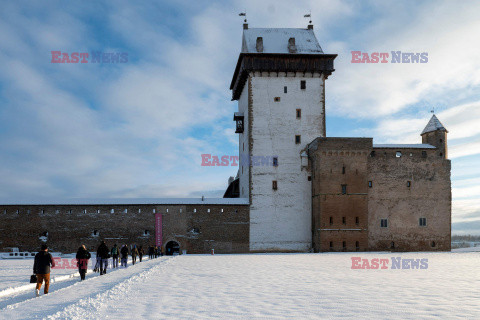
275,40
128,201
433,125
404,146
254,286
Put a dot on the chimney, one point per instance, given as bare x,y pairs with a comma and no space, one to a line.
245,26
292,48
259,44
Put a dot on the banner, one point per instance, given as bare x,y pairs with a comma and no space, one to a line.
158,229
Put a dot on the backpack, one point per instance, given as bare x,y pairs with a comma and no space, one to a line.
114,251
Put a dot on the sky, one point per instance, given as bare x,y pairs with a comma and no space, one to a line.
138,128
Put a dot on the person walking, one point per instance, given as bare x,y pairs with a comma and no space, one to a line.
115,256
150,252
103,253
41,267
134,254
124,252
82,261
140,253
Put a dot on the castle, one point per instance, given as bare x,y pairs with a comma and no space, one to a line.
316,193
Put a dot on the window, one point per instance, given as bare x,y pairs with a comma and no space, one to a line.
208,210
343,170
433,244
155,210
331,245
370,184
95,232
180,210
441,154
344,189
398,154
139,210
112,211
424,154
84,211
299,113
409,184
221,210
274,184
98,211
441,140
167,210
285,89
309,178
125,211
411,154
4,211
42,211
422,222
303,84
372,154
276,99
28,211
331,220
383,223
57,211
298,139
194,210
275,161
392,245
69,211
357,221
344,220
146,232
357,245
17,211
344,245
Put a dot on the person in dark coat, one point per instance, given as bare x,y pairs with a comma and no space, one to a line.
151,250
103,253
124,252
82,261
115,254
134,254
141,252
41,267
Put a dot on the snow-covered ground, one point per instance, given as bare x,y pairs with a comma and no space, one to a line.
267,286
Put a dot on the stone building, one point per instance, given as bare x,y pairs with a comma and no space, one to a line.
296,189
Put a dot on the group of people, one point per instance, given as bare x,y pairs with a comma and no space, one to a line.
44,261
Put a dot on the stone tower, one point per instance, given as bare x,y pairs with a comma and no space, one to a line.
435,134
279,83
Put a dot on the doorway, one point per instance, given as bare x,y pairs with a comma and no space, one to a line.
172,248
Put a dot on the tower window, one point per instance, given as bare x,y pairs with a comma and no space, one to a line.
276,99
370,184
139,210
343,170
344,189
409,183
422,222
357,221
398,154
112,211
441,154
298,139
372,154
424,154
275,161
208,210
392,245
299,113
125,211
383,223
195,210
154,210
303,84
274,184
98,211
441,140
84,211
344,245
433,244
285,89
331,245
309,178
146,232
357,245
331,220
344,220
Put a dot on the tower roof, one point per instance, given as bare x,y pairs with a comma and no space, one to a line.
276,40
433,125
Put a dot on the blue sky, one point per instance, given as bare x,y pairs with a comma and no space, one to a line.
137,129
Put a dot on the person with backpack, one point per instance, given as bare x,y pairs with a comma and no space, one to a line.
82,261
140,253
124,252
150,252
41,267
115,253
134,254
103,253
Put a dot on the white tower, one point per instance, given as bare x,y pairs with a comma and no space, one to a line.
279,82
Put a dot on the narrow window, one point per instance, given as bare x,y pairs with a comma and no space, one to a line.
357,245
331,245
344,189
167,210
98,211
42,211
275,161
208,210
95,232
433,244
331,220
154,210
84,211
5,211
303,84
441,140
383,223
411,154
424,154
243,146
441,154
398,154
409,184
357,221
285,89
28,211
221,210
139,210
276,99
344,245
370,184
422,222
299,113
69,211
180,210
57,211
298,139
147,232
17,211
343,170
125,211
392,245
274,184
309,178
195,210
344,220
372,154
112,211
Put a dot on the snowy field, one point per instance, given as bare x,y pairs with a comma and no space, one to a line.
269,286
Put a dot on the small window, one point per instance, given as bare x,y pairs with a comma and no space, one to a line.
125,211
5,211
208,210
303,84
299,113
433,244
17,212
221,210
384,223
275,161
167,210
441,140
112,211
440,154
57,211
276,99
98,211
398,154
357,245
392,245
344,189
180,210
95,232
69,211
343,170
344,244
84,211
274,184
409,184
331,220
154,210
285,89
28,211
298,139
422,222
331,244
370,184
194,210
411,154
146,232
372,154
309,178
424,154
357,221
344,220
139,210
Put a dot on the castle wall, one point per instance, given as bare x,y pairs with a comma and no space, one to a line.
192,226
280,220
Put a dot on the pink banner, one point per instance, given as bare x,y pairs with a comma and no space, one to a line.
158,230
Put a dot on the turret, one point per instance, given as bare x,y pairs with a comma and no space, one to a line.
435,134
